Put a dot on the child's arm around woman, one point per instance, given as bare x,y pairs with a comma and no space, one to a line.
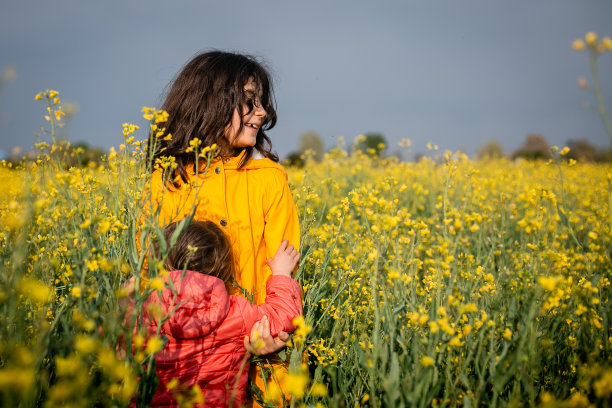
283,295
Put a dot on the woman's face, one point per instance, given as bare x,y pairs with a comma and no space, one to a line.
253,120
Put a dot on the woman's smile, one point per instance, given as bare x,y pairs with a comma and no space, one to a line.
253,116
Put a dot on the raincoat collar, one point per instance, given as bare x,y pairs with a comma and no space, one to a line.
257,161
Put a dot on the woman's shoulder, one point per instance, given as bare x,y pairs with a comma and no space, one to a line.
269,173
258,166
259,161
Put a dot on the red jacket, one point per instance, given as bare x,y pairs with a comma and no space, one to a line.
205,334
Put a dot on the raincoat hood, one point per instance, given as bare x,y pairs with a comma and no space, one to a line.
202,300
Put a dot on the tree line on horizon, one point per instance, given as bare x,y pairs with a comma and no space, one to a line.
534,147
311,146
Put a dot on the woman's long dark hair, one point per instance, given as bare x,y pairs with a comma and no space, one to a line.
202,99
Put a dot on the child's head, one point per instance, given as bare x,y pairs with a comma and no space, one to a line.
201,247
214,98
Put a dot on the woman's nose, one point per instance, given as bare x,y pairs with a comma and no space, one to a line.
259,110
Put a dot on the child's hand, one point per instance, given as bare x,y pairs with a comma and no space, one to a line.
285,259
127,292
129,286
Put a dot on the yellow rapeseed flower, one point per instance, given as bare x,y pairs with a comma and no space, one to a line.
433,327
129,128
104,226
580,310
154,345
148,113
161,116
546,397
427,361
468,308
35,290
590,38
59,113
302,329
84,344
92,265
603,386
578,399
17,378
295,384
138,341
172,384
578,45
318,390
507,334
454,342
125,268
156,284
548,283
65,366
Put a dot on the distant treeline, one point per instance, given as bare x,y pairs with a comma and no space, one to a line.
534,147
310,146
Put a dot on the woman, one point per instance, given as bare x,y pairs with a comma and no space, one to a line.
227,99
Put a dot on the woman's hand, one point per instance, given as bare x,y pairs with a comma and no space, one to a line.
261,341
285,259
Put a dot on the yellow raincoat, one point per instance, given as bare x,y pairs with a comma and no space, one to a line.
252,204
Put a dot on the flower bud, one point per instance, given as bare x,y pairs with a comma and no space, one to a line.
578,45
590,37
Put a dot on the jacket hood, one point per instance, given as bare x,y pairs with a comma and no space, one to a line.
203,303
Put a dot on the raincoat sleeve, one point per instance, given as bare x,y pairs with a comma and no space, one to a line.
280,216
283,304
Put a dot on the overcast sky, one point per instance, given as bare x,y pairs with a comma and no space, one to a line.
456,73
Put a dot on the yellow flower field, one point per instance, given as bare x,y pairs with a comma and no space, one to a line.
443,282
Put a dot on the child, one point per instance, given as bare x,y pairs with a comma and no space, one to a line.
206,332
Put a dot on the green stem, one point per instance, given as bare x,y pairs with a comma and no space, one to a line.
52,120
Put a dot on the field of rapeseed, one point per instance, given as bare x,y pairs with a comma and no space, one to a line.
443,282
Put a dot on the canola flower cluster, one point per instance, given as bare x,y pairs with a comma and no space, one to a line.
591,40
448,280
443,282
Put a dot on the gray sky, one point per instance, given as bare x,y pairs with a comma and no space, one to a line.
456,73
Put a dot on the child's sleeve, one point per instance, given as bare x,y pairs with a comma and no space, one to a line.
283,304
281,217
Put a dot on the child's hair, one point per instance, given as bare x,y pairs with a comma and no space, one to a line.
201,247
201,101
